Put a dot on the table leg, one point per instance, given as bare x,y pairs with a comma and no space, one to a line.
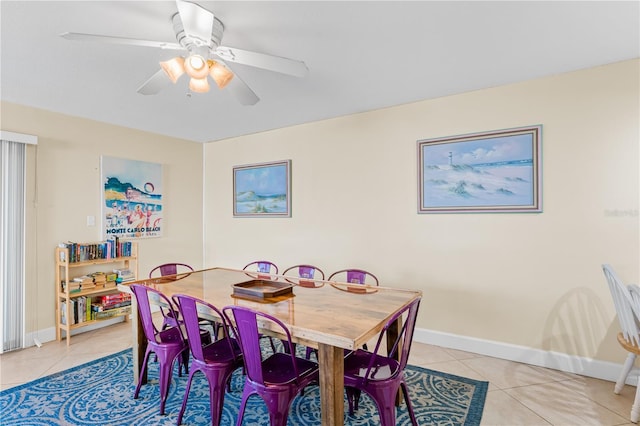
139,344
331,361
392,336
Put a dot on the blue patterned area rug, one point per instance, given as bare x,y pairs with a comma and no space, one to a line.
101,393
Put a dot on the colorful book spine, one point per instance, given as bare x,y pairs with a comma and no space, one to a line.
108,249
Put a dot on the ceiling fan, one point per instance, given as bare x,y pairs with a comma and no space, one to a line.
199,34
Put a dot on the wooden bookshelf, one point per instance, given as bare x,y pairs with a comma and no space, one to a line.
72,263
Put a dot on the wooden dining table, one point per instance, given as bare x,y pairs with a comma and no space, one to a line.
329,316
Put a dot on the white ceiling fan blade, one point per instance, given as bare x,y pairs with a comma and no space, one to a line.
260,60
155,84
197,21
121,40
241,91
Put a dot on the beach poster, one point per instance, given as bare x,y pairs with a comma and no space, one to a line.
132,198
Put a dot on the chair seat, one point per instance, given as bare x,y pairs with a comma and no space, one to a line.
629,346
170,335
356,363
276,371
219,351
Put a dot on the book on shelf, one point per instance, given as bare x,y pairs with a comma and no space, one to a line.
110,301
118,297
111,313
101,307
107,249
63,313
98,277
124,275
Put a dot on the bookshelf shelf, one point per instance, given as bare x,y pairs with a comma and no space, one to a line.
74,307
98,261
94,292
87,323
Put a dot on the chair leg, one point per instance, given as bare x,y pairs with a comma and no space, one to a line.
350,391
387,412
310,351
635,408
246,393
142,370
278,412
166,372
186,397
407,400
353,398
216,396
184,360
384,399
626,369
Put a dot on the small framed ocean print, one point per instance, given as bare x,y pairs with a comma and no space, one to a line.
262,190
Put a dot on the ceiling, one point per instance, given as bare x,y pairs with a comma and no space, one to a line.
361,56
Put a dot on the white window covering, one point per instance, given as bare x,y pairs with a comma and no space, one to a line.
12,238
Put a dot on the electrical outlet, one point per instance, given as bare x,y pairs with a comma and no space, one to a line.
91,221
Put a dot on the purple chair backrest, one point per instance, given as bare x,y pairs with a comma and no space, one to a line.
263,266
246,327
192,310
170,269
356,276
306,271
404,337
144,296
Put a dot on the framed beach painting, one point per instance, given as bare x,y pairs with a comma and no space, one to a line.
262,190
497,171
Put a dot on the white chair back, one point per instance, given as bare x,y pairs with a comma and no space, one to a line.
634,290
627,304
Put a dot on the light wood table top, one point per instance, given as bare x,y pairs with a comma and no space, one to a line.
329,316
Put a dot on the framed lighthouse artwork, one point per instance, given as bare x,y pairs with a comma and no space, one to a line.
492,172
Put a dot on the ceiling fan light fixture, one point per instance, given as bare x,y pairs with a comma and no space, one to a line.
220,74
199,85
174,68
196,67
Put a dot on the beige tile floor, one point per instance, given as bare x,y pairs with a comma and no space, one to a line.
519,394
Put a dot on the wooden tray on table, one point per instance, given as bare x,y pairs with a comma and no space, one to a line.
262,289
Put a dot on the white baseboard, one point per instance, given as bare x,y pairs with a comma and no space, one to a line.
558,361
49,334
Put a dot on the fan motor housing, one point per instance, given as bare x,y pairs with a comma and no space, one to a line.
192,44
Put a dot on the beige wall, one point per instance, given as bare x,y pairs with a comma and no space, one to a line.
531,280
524,279
64,188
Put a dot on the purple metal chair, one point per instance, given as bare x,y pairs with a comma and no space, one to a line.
262,267
217,360
354,276
305,271
168,344
170,269
382,376
276,377
165,270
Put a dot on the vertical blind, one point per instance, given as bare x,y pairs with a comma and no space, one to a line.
12,243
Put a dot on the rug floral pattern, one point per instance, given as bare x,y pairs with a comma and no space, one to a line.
100,393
